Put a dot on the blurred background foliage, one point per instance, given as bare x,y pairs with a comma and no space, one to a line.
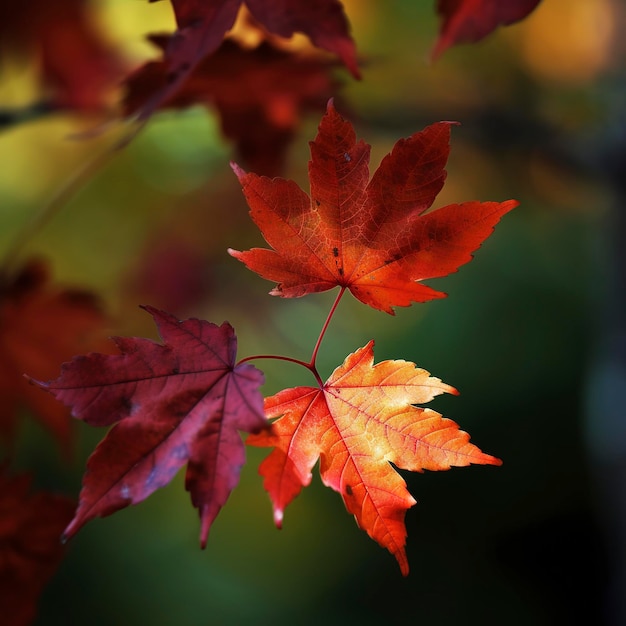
522,334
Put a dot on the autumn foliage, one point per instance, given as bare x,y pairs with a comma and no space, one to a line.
40,326
186,400
77,65
202,26
176,403
361,420
30,550
371,237
280,87
467,21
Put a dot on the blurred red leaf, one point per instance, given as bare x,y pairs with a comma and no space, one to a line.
76,63
172,403
30,546
260,95
171,272
359,422
372,237
41,327
202,25
468,21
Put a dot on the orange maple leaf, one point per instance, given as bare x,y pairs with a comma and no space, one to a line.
372,237
362,419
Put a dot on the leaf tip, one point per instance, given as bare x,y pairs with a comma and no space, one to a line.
71,529
487,459
148,308
239,172
438,49
35,382
277,291
278,518
205,525
161,319
402,560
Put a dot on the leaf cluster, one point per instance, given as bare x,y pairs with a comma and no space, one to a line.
185,400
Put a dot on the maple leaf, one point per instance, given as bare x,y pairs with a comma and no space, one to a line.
75,60
40,327
468,21
202,25
372,237
173,403
260,110
30,550
359,422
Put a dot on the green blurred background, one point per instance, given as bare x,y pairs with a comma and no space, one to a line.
524,336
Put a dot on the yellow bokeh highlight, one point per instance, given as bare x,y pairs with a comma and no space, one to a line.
127,24
567,41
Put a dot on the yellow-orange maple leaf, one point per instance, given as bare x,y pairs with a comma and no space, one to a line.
362,419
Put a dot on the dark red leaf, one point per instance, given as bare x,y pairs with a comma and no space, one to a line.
468,21
40,327
260,109
30,546
202,25
75,61
178,402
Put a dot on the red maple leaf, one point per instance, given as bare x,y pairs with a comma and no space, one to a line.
173,403
40,327
358,423
75,61
202,25
260,109
372,237
468,21
30,549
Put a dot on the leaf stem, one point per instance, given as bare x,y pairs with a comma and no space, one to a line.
325,328
308,366
311,364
